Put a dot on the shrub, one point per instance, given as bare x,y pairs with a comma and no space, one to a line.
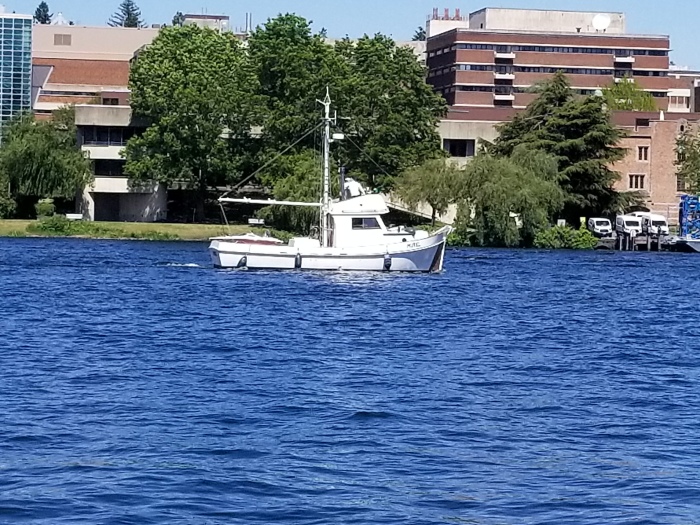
7,207
565,238
45,208
460,238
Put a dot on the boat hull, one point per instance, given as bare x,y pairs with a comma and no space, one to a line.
425,255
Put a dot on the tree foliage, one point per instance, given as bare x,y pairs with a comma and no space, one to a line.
196,89
565,238
299,180
627,95
42,158
420,35
435,182
688,159
293,66
507,200
42,15
392,113
386,108
578,132
128,15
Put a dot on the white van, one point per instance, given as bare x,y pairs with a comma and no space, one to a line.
628,225
653,223
600,227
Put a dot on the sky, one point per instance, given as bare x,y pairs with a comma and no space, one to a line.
397,18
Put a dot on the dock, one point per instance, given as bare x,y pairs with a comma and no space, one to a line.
640,243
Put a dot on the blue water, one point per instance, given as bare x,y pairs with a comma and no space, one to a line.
140,386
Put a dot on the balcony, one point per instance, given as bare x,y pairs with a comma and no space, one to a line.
624,59
103,151
504,96
505,55
503,76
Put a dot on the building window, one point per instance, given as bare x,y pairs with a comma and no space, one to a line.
109,168
359,223
641,123
110,101
62,40
643,153
677,102
462,148
680,184
637,182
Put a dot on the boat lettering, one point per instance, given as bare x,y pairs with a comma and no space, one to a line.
413,244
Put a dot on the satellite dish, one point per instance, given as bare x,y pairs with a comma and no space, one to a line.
601,22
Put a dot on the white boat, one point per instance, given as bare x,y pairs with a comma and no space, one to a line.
351,236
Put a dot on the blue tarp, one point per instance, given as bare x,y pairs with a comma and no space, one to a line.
690,216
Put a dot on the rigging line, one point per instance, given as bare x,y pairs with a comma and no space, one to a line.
363,152
240,184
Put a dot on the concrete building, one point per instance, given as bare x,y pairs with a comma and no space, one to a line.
15,64
496,65
83,65
219,23
102,134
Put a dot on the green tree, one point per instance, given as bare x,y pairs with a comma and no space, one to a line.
196,88
299,179
41,158
420,35
179,19
627,95
7,204
387,110
390,113
42,14
688,160
128,15
506,201
294,66
579,133
435,182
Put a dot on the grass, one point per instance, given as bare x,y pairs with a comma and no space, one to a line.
118,230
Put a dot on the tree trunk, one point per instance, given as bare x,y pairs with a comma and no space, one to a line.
201,199
433,218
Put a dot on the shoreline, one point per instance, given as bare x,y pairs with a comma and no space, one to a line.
121,231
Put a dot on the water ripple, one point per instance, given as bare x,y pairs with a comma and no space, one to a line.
140,386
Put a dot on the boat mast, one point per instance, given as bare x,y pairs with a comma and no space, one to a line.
326,202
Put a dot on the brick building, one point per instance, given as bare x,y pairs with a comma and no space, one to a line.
649,165
83,65
493,58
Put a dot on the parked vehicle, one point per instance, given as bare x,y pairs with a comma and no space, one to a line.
628,225
600,227
653,223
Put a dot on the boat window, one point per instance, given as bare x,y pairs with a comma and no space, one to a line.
365,223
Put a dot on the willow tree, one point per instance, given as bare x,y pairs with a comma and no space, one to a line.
41,158
627,95
507,200
688,159
435,183
196,89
